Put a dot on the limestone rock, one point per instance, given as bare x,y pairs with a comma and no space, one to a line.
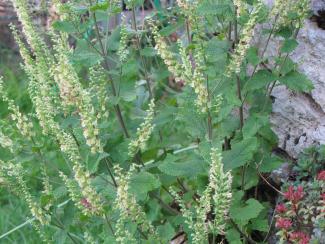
298,118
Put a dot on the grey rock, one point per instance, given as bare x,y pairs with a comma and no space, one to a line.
281,174
298,119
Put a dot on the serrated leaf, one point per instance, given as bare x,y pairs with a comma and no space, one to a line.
106,190
166,231
92,165
240,153
59,192
84,55
297,82
286,65
143,182
185,168
233,236
259,80
270,163
285,32
289,45
260,225
250,210
251,178
268,134
217,51
253,124
213,8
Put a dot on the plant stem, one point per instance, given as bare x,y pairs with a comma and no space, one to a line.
109,224
188,32
239,94
267,43
104,55
267,182
110,173
241,110
236,39
229,31
62,227
134,23
282,64
164,205
210,126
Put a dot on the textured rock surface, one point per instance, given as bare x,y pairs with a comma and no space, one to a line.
8,15
299,119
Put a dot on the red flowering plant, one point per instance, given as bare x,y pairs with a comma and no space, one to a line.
302,211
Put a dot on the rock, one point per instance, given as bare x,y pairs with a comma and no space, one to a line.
8,15
281,174
179,239
319,235
317,5
298,119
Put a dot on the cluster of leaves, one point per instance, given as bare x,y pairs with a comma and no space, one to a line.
177,154
309,163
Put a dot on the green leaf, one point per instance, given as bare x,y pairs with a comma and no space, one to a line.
268,134
286,65
260,225
251,178
166,231
60,236
108,191
233,236
285,32
252,56
259,80
113,41
99,6
270,163
59,192
240,153
85,55
143,182
148,52
92,165
217,51
250,210
214,8
297,81
185,168
289,45
46,199
253,124
63,26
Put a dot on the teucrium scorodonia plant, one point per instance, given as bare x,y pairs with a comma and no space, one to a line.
135,128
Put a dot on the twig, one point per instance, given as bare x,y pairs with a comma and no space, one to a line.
267,182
